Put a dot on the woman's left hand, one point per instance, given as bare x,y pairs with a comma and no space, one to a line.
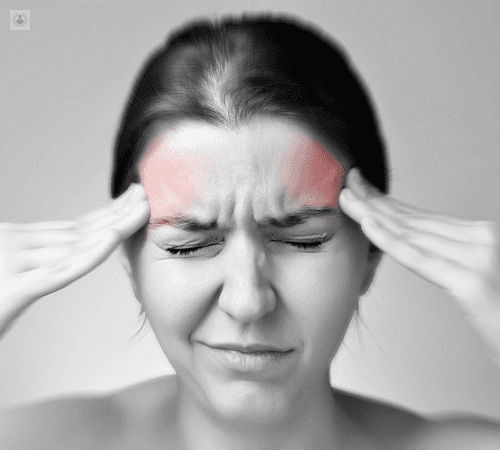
460,256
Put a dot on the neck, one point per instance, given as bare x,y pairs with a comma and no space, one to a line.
316,417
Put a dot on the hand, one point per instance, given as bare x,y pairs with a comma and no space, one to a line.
37,259
460,256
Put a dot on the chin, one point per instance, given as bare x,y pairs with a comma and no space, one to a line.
249,401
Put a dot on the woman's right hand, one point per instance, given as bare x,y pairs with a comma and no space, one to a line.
37,259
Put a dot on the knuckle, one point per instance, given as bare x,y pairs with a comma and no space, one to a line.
407,231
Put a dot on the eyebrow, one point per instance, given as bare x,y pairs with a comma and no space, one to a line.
188,223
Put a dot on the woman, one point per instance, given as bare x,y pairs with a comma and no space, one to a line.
255,215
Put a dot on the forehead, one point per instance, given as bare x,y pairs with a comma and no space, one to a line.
267,161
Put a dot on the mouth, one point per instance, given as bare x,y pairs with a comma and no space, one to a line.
250,360
253,348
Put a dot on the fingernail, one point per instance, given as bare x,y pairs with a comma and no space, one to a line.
356,174
349,195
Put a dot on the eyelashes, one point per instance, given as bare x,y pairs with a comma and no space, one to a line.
306,245
188,251
183,251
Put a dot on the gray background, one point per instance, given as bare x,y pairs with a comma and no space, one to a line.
433,69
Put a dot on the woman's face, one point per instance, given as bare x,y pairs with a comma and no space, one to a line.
252,277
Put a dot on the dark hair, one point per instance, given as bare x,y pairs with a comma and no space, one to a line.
225,71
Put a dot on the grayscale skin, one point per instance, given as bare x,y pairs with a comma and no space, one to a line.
240,290
37,259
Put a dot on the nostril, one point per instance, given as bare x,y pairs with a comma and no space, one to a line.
247,306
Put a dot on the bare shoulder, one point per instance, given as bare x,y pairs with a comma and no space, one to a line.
64,422
141,398
121,419
459,431
393,426
386,424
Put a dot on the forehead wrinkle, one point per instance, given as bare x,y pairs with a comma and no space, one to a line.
190,223
247,168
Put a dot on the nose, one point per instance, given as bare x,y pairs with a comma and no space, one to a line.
247,294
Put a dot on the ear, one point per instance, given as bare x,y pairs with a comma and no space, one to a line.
125,261
374,258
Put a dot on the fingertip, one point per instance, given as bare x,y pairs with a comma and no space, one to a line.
141,208
355,175
140,189
125,196
347,194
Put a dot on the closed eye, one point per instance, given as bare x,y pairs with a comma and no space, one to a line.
306,245
184,251
191,250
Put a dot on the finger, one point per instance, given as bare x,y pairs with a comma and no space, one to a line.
38,226
127,222
382,202
65,224
462,253
481,232
41,235
51,278
129,199
40,239
33,258
484,233
365,191
124,226
358,209
474,232
436,269
95,221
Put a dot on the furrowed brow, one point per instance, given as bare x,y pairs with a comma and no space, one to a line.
299,217
191,224
183,222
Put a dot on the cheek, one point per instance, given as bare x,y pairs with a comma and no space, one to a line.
325,297
310,174
170,295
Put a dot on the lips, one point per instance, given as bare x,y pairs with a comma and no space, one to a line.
253,348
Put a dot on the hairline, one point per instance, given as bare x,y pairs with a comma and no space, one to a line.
150,132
